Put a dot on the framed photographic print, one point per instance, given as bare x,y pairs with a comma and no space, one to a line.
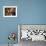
33,32
9,11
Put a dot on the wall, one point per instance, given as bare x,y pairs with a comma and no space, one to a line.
29,12
7,25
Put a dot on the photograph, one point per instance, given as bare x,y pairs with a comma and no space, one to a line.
9,11
30,33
